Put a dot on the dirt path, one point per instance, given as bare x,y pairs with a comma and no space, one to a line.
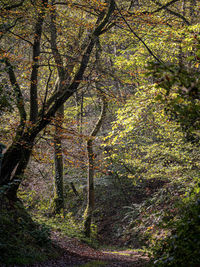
80,254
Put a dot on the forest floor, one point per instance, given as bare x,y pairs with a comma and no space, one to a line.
77,253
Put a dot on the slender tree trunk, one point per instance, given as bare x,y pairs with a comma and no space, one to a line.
90,182
90,190
58,162
81,114
79,98
2,147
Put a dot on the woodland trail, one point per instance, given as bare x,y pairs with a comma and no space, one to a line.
76,253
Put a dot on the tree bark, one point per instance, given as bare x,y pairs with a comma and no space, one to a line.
90,180
35,63
58,162
58,157
14,163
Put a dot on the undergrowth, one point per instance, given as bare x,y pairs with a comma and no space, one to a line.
22,240
168,224
182,245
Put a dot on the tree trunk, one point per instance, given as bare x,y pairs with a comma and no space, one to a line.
19,174
58,162
90,182
2,147
79,99
90,190
14,163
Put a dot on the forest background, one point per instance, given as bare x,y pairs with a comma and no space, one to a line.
100,108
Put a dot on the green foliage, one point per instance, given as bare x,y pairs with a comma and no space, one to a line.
64,224
151,144
182,245
42,212
181,83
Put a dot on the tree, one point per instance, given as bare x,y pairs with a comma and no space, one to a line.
91,165
59,116
17,155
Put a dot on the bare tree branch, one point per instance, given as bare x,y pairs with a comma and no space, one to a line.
5,28
169,10
14,6
19,36
137,36
163,6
